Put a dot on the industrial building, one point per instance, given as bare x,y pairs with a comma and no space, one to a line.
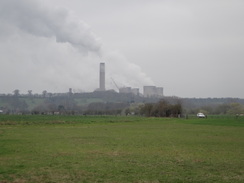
152,91
148,91
135,91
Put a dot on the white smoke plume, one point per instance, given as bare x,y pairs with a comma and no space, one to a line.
38,20
45,48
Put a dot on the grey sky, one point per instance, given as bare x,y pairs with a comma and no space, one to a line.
191,48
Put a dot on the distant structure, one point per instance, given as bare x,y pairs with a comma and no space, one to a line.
125,90
135,91
152,91
102,77
148,91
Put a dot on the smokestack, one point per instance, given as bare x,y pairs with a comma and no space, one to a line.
102,77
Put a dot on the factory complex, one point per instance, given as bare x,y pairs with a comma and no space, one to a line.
148,91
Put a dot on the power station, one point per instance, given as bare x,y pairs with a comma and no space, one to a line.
148,91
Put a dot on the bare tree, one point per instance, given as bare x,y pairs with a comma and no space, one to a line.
44,93
30,92
16,92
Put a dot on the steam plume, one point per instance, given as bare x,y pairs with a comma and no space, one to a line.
38,20
40,27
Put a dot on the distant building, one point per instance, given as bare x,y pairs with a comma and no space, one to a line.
152,91
135,91
160,91
125,90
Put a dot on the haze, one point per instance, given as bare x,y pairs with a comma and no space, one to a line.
191,48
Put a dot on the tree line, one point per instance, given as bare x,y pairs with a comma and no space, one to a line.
161,109
112,103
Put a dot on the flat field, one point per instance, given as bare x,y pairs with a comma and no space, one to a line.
67,149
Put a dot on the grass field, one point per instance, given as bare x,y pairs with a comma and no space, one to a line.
67,149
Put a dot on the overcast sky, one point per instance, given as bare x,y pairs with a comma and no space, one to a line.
192,48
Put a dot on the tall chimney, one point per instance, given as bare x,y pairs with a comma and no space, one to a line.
102,77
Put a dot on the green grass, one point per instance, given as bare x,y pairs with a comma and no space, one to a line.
86,101
120,149
33,102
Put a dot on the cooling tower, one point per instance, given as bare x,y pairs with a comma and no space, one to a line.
152,91
102,77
